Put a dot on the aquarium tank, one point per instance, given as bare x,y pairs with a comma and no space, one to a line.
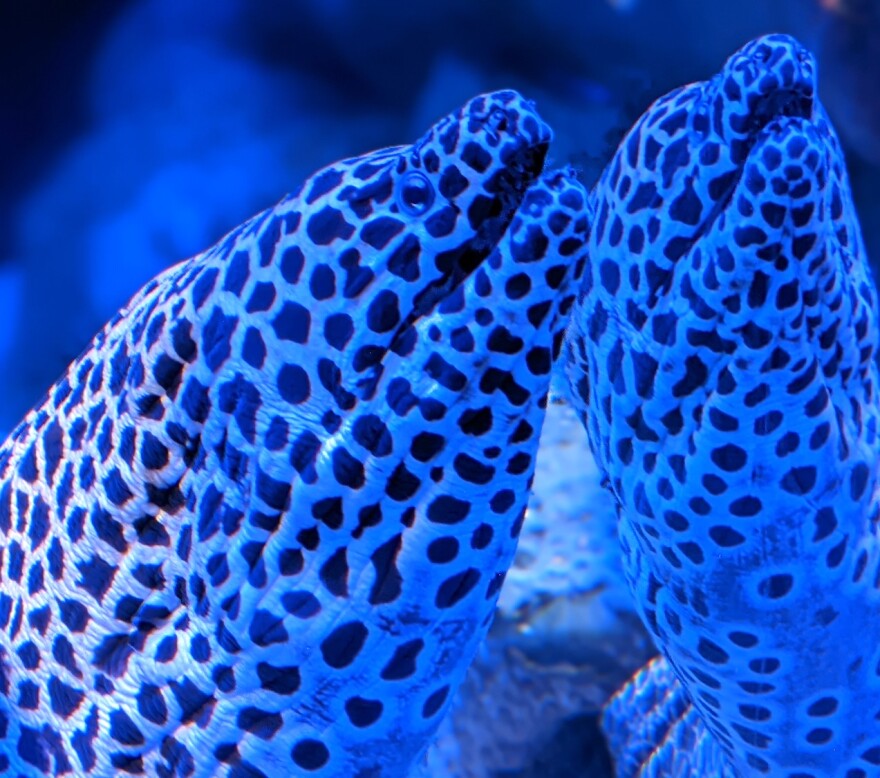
466,389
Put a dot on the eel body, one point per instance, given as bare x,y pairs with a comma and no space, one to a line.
722,354
259,527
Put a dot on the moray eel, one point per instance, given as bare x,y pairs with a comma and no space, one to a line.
260,525
722,355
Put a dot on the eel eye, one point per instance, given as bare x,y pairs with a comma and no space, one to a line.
415,193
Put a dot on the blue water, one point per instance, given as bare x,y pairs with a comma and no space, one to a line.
139,132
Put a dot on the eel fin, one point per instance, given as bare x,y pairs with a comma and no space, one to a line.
653,730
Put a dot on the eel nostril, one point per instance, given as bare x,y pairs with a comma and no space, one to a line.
497,120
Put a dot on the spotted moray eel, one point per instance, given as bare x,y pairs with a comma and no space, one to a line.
259,527
722,354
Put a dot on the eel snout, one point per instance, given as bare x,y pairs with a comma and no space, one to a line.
500,132
509,126
769,77
506,114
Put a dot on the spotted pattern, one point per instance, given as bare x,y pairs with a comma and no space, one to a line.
722,353
260,525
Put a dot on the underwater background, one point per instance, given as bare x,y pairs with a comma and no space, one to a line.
138,132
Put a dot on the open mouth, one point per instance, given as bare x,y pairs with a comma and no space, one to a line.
778,104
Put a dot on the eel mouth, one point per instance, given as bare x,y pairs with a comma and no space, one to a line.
494,212
522,160
768,115
795,103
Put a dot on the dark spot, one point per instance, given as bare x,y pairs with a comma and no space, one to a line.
426,445
776,586
444,373
96,576
338,329
729,457
261,298
446,509
266,629
435,702
310,754
404,260
403,662
328,225
799,480
253,350
64,699
341,647
402,484
858,480
292,262
293,384
443,550
695,377
388,582
746,506
378,232
123,729
712,652
301,604
363,712
456,587
292,323
472,470
687,207
151,704
725,536
334,573
284,680
262,723
825,706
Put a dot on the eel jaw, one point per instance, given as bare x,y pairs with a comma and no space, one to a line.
510,186
780,103
764,117
523,167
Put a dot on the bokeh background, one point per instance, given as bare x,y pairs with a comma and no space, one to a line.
137,132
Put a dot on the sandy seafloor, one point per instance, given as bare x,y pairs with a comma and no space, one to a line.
137,132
